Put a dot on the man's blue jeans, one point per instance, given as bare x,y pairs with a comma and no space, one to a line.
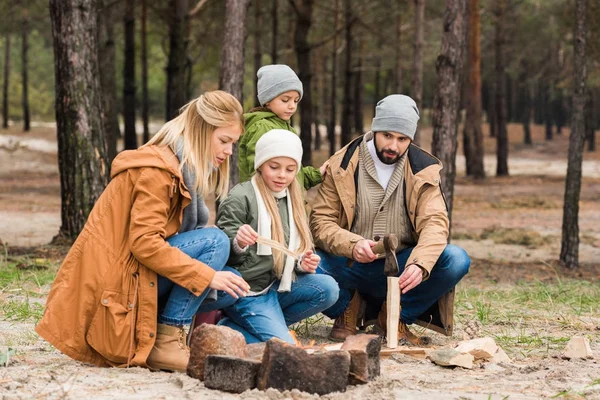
259,318
369,279
176,304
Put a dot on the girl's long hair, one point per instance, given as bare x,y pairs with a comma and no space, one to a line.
300,218
196,123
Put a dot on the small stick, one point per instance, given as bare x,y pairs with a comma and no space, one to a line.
277,246
393,311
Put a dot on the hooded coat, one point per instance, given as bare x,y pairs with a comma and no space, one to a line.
102,307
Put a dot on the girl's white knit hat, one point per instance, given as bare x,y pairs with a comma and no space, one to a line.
278,143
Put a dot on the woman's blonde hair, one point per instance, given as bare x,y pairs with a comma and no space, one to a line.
195,124
300,218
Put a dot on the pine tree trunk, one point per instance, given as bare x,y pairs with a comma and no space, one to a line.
526,115
590,127
176,80
502,135
417,67
569,252
449,67
130,137
304,10
358,90
333,100
6,79
231,78
108,77
547,112
274,31
398,51
257,47
24,68
473,135
145,97
346,134
82,158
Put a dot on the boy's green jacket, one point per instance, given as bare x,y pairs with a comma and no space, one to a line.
257,123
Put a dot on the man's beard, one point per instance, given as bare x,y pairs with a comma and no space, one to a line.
386,156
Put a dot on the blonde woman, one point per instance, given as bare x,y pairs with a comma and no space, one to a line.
270,205
141,267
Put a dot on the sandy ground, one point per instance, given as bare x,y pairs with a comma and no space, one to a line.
30,216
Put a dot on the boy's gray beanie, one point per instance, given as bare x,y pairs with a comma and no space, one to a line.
274,80
396,113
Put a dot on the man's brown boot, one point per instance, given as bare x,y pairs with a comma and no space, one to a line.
170,352
403,332
345,324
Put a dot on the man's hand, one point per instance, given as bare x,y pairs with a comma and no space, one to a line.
310,262
410,278
363,252
246,236
231,283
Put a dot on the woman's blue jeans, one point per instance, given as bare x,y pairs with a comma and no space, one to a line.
260,318
370,280
176,304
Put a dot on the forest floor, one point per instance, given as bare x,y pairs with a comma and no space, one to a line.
516,291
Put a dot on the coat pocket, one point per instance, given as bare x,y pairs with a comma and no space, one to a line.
112,328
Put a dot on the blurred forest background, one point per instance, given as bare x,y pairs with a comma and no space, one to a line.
128,65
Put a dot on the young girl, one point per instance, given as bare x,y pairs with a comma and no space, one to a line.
279,92
140,268
283,290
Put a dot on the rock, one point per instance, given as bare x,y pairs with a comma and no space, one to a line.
230,374
286,367
481,348
364,357
256,350
447,357
578,347
213,339
500,357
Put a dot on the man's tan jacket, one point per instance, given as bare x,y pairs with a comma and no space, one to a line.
333,213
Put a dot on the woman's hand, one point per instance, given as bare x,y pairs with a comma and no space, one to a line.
246,236
231,283
310,262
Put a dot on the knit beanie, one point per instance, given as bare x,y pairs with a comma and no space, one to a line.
396,113
278,143
274,80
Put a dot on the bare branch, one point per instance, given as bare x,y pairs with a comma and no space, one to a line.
198,7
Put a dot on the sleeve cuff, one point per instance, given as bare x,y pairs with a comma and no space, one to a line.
236,247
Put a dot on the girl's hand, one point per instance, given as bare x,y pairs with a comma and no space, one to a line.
323,168
246,236
310,262
231,283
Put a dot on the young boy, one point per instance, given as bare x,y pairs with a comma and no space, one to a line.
279,92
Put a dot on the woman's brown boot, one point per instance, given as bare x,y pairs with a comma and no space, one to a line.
170,352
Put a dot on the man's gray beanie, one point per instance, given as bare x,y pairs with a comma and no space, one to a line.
274,80
396,113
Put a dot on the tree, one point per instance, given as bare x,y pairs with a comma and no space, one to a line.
346,134
257,47
144,50
231,78
130,136
446,102
501,117
24,67
590,123
82,158
398,55
417,66
274,31
358,88
176,82
6,80
473,136
569,252
333,100
303,10
108,77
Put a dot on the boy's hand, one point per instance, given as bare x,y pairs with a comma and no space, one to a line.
246,236
310,262
323,168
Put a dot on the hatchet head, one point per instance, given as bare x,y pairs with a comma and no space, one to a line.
388,244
